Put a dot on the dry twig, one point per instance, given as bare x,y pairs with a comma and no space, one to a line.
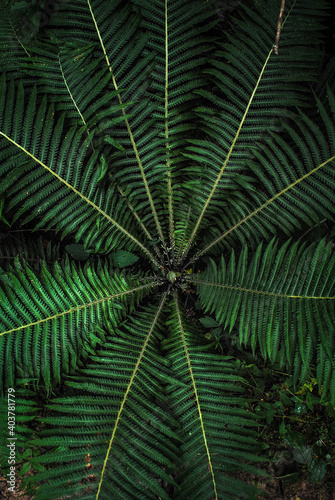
280,20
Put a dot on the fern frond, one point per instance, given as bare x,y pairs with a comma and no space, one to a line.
295,181
283,300
118,417
216,430
132,137
175,42
48,321
13,47
325,367
35,251
74,79
251,102
75,82
78,198
178,36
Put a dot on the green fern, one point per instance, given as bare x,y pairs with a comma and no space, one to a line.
175,159
282,300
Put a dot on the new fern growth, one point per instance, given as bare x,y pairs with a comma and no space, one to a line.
178,156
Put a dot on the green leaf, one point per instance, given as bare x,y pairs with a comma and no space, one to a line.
208,322
317,469
114,142
285,399
25,468
77,251
330,409
102,169
300,408
288,319
122,258
302,455
294,438
216,332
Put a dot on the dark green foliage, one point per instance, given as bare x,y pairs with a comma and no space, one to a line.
282,301
183,165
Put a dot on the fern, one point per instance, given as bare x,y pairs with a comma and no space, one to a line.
169,158
282,299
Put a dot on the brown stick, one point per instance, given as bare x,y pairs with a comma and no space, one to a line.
280,20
